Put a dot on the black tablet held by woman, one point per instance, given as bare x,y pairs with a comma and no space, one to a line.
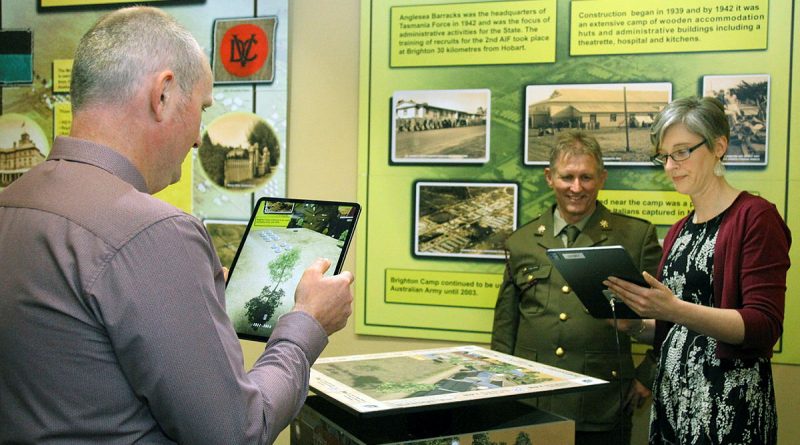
585,269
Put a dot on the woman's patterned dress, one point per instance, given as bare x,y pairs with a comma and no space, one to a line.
697,397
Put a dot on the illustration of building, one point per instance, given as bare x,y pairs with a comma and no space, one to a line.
242,164
596,108
19,158
414,116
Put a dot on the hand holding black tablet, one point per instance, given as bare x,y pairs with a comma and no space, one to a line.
585,269
283,238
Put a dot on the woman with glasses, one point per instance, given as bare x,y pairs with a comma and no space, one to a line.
718,300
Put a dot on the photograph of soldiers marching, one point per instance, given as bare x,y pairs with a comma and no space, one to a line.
440,126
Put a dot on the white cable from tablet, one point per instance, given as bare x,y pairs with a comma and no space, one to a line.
611,301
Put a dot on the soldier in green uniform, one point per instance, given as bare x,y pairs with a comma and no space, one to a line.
537,315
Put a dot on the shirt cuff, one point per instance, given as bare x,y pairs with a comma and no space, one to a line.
303,330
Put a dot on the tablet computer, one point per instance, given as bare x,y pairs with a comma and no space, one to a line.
283,237
585,269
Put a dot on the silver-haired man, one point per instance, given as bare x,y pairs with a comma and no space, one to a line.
112,310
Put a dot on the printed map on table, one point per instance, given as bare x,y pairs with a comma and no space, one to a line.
395,380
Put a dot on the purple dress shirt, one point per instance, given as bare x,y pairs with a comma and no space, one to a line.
112,318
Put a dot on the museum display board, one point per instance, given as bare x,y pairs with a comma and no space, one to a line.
244,145
461,101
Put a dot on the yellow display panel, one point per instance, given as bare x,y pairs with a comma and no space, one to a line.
658,207
263,220
666,26
180,193
54,3
473,33
62,119
62,75
441,288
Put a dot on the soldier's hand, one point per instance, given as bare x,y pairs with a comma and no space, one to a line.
637,396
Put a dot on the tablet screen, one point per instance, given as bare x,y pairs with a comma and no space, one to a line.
284,237
585,268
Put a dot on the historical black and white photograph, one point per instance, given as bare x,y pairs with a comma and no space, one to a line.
618,115
464,219
23,145
746,100
440,126
239,151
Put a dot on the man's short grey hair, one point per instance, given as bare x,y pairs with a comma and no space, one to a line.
703,116
124,46
576,142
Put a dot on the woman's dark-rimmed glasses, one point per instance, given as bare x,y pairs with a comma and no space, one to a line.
677,155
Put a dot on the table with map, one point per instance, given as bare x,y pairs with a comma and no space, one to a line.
412,380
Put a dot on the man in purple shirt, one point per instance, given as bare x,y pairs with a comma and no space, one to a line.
112,311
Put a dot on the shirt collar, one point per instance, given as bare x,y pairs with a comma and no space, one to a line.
101,156
559,223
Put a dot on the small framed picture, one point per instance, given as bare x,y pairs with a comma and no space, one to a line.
746,101
16,57
440,126
463,219
618,115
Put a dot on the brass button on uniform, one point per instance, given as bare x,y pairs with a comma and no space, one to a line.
559,352
563,316
530,278
565,289
613,373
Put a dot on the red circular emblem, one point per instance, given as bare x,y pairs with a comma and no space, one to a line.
244,49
